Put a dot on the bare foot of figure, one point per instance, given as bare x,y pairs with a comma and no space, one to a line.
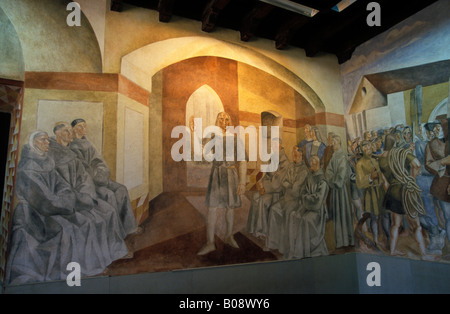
207,248
398,253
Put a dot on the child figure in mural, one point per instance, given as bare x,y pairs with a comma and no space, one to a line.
401,167
52,226
113,192
226,185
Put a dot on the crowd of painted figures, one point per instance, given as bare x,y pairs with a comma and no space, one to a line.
69,210
388,183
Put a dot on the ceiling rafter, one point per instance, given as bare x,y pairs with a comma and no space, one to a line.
345,47
253,19
211,14
165,9
116,5
288,29
328,31
337,25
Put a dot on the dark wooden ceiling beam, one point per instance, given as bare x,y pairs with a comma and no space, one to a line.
117,5
211,14
348,42
331,25
288,29
165,9
253,19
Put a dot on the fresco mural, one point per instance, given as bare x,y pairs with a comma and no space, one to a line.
344,181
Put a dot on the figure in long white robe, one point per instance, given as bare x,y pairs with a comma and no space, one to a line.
270,190
293,186
113,192
307,223
338,176
51,228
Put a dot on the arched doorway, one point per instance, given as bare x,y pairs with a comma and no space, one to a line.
205,104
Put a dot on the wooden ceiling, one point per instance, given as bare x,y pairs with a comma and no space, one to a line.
328,31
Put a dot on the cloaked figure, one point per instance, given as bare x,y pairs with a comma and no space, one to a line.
109,190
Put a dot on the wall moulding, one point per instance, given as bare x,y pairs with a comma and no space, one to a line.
87,82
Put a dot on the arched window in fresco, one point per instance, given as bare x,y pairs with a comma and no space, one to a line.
272,118
269,118
204,103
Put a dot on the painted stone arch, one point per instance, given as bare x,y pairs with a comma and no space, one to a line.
156,63
140,65
45,21
272,118
11,54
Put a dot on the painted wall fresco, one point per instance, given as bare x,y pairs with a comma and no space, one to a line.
97,183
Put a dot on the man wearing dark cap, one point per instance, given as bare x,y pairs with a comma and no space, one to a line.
113,192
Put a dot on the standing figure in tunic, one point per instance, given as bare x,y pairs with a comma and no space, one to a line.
430,221
369,178
437,162
226,185
400,168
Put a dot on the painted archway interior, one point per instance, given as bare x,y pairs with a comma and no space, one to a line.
204,103
140,65
272,118
34,25
11,53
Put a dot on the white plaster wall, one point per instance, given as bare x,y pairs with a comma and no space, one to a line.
132,146
50,112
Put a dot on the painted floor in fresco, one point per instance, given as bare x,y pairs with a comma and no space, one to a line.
175,231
